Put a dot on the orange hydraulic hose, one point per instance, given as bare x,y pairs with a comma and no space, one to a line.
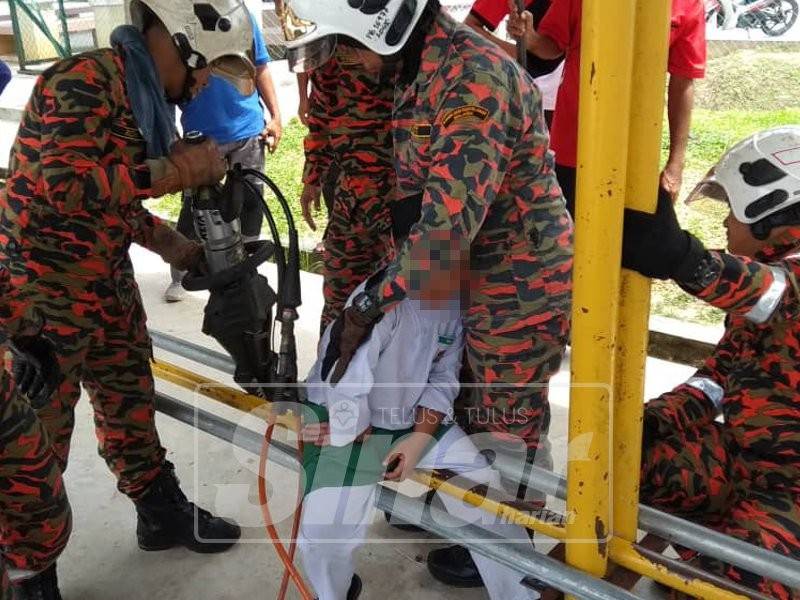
287,557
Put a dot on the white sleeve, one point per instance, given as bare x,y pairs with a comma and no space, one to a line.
347,401
443,380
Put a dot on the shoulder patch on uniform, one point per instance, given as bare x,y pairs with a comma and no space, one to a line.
468,112
421,130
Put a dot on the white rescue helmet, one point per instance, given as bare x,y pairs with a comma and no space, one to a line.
758,177
310,27
204,31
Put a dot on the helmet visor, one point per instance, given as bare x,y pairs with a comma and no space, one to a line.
708,187
312,55
293,26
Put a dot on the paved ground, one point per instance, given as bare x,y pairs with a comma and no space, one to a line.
103,562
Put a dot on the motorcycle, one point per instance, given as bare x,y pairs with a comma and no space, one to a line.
773,17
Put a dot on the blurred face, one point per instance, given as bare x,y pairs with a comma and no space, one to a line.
740,238
370,61
171,70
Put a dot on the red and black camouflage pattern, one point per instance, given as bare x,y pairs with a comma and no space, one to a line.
35,517
741,476
71,209
470,135
349,125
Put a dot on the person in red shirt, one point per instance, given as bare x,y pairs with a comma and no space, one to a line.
485,17
559,33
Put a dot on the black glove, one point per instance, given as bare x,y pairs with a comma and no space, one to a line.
348,332
35,368
656,246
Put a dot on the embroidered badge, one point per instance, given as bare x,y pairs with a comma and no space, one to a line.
421,130
465,114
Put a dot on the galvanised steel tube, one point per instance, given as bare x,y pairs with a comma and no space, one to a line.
194,352
526,561
674,529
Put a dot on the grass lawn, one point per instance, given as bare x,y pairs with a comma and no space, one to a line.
745,91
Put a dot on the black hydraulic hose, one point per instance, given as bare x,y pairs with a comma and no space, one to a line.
280,256
289,281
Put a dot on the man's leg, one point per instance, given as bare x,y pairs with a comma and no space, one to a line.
512,364
689,473
455,452
333,527
766,518
35,517
250,154
185,225
357,241
119,381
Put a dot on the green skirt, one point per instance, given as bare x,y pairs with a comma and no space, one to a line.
359,463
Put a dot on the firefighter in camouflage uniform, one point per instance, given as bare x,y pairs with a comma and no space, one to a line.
469,135
87,154
349,145
35,517
739,475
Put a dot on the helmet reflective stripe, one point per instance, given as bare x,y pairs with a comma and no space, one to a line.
758,177
383,26
203,31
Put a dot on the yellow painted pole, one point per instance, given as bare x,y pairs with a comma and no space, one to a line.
606,62
623,553
646,120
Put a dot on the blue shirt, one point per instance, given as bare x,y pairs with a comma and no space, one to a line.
5,76
220,111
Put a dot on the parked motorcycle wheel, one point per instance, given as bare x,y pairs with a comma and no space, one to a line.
778,17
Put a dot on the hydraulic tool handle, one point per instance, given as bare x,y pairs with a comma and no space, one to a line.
522,51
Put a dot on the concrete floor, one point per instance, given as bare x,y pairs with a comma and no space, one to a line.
103,562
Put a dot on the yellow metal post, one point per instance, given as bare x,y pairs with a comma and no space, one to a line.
646,120
606,62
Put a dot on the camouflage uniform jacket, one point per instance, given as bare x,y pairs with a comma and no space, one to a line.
73,200
469,134
349,122
753,376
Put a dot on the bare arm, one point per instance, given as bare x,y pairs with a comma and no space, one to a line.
302,88
475,23
521,24
680,102
266,90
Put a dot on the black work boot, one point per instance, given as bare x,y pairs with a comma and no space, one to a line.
42,586
167,519
454,566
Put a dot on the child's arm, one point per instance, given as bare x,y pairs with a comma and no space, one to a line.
406,454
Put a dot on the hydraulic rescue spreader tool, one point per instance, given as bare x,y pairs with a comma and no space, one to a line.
242,308
242,312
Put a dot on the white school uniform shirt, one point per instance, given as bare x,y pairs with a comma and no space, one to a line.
412,358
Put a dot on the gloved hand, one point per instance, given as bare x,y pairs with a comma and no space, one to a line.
655,245
188,166
347,334
176,249
35,368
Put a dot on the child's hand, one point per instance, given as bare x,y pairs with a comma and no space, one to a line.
318,434
404,457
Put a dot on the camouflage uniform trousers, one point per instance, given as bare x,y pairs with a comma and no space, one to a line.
106,348
35,517
694,474
510,364
358,239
